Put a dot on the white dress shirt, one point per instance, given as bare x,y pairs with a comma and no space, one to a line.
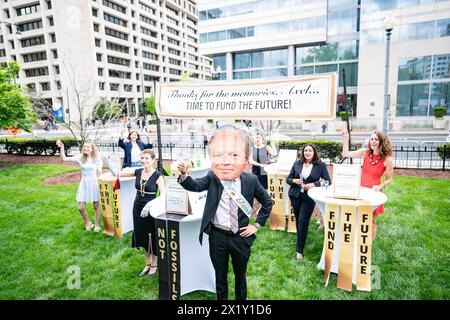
222,217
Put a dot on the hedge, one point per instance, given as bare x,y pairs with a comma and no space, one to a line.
36,146
327,149
440,150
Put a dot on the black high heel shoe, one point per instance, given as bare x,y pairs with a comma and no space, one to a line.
150,273
145,271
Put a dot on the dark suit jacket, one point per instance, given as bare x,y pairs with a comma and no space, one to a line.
250,189
126,145
318,171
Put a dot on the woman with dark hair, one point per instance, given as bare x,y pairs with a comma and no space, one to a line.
305,174
133,147
148,183
377,162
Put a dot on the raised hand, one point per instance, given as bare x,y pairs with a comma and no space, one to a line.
345,135
182,167
59,144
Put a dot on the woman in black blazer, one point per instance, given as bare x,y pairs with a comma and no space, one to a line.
305,174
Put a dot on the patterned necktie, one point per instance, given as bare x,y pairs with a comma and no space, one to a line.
234,224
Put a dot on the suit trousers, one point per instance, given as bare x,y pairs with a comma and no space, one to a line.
303,208
222,245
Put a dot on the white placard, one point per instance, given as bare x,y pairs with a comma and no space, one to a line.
346,181
311,97
286,159
176,197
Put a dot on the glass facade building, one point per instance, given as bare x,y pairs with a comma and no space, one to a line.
288,38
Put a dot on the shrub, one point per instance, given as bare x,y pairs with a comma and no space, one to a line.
343,115
37,146
439,112
327,149
440,150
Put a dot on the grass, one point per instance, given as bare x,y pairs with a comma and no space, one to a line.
42,235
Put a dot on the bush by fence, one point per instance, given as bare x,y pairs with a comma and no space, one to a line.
327,149
36,146
441,152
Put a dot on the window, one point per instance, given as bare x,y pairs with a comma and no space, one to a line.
148,20
28,10
412,100
36,56
45,86
100,72
97,42
118,61
30,42
116,34
119,74
114,6
417,68
148,32
53,37
36,72
33,25
150,55
115,20
117,47
99,57
148,66
423,83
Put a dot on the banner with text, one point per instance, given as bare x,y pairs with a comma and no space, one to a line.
312,97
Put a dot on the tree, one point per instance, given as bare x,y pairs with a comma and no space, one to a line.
15,107
150,107
106,110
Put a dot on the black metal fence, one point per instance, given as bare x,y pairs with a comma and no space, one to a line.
410,156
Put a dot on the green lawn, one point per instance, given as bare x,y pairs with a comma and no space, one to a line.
42,234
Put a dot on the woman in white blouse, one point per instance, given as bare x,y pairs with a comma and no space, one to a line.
305,174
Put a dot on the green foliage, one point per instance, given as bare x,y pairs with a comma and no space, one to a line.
439,112
15,107
440,150
36,146
210,121
343,115
106,110
185,76
327,149
150,108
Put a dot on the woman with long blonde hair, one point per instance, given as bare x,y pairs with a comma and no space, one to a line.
90,162
377,162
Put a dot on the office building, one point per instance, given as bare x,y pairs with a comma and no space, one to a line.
288,38
89,50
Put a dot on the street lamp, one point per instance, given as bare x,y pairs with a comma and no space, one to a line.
388,24
18,33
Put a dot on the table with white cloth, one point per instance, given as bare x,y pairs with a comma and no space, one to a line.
320,196
183,264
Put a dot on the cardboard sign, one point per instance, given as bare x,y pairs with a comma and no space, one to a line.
346,181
